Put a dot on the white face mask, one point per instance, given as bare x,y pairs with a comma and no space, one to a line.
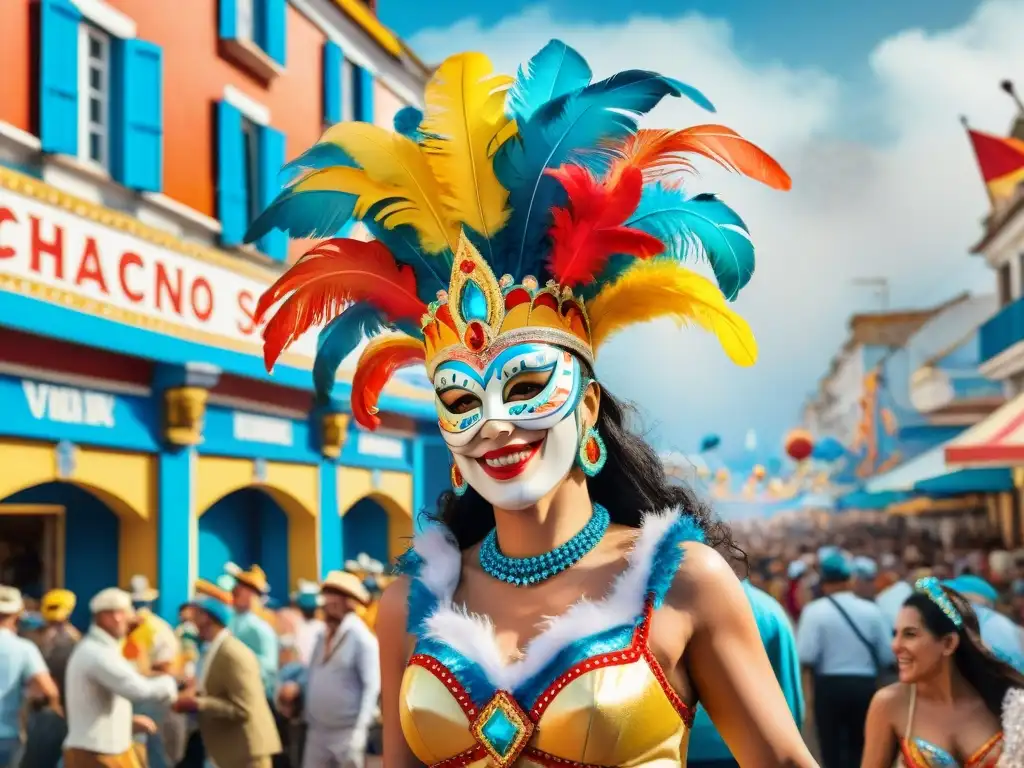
511,424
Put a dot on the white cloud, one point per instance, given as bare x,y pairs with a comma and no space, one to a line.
906,206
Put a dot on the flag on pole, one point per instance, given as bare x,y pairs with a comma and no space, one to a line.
1001,161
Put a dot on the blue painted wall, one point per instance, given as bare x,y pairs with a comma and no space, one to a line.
436,473
366,530
92,534
246,527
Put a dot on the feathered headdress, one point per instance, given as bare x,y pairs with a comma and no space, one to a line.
544,180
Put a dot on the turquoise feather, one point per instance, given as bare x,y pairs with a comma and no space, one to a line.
338,340
557,132
323,154
703,221
320,213
556,70
407,122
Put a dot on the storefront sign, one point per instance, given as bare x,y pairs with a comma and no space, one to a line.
253,428
101,269
68,405
380,446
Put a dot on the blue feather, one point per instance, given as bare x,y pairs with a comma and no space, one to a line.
554,71
557,132
320,213
433,271
339,338
407,122
703,221
323,154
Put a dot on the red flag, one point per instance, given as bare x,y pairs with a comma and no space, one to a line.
1001,161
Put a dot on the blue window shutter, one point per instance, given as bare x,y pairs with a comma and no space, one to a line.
58,76
232,197
271,158
271,25
332,82
139,130
227,20
364,95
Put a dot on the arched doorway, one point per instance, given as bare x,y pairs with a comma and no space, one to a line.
366,529
59,534
246,527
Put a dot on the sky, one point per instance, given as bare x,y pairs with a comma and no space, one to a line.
861,104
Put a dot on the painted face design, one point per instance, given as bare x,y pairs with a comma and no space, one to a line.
507,421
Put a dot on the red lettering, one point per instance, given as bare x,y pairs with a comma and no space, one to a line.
6,214
129,259
54,248
163,285
246,303
89,268
201,297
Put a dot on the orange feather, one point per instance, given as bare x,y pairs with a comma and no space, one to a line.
382,357
324,281
661,152
590,231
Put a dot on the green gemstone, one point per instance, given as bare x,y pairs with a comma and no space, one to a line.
500,732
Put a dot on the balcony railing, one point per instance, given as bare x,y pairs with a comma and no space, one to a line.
1002,331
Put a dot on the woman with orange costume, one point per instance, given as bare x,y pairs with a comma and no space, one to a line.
518,224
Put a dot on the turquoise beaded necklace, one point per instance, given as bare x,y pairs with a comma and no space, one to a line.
525,571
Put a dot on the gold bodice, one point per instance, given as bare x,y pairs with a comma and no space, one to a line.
598,698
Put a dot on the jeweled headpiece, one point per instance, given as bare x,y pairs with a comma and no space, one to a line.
512,210
931,588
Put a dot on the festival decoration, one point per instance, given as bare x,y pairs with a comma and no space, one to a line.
709,443
827,449
759,472
799,444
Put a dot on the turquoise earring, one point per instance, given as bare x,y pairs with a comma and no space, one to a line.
591,455
459,484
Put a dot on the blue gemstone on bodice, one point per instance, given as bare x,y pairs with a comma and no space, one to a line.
473,304
500,732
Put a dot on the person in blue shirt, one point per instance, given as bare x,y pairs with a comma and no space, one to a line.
844,641
707,748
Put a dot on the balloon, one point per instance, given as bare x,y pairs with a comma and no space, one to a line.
799,444
759,473
722,475
828,449
709,443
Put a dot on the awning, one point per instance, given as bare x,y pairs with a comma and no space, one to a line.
989,480
903,478
865,500
997,441
925,506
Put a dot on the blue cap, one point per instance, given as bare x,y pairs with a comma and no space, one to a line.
215,609
30,622
836,567
865,568
969,584
307,601
796,569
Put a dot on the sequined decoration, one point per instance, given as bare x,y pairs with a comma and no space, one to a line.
525,571
930,587
503,729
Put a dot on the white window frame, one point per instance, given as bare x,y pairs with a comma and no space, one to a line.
88,33
245,20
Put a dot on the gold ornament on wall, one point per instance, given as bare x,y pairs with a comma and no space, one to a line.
333,432
184,412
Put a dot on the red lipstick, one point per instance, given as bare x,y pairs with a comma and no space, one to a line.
523,453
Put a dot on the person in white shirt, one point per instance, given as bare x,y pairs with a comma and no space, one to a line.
101,685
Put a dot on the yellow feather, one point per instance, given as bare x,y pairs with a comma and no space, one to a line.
661,288
392,166
465,113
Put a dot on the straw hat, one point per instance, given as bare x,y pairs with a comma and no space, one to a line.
347,584
11,603
58,604
254,579
140,591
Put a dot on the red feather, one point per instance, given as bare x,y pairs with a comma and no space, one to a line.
584,236
382,357
659,152
324,281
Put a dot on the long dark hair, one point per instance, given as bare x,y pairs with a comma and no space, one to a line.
990,676
632,482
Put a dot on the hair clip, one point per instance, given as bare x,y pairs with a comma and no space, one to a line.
932,589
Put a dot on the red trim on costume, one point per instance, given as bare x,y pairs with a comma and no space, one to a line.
471,755
442,673
552,761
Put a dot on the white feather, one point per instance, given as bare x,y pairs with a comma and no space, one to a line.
473,635
1013,729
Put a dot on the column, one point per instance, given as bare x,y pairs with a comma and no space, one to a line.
419,480
330,519
175,532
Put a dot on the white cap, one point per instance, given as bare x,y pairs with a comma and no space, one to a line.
11,603
110,599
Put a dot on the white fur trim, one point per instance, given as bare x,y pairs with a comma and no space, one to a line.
473,636
1013,729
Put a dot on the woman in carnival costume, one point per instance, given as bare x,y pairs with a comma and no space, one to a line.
956,705
518,224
